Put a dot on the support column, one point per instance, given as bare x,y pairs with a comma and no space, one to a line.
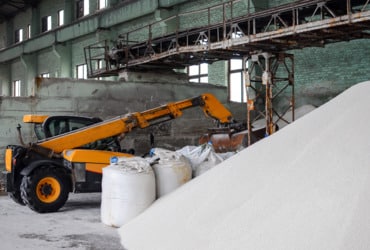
35,22
9,32
68,11
29,63
270,84
5,80
63,54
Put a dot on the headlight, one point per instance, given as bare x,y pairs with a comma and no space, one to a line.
8,159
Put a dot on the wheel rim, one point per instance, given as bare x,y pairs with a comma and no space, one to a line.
48,189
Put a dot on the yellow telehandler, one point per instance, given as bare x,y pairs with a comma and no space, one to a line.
71,151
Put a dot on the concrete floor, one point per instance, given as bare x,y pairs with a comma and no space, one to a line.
77,225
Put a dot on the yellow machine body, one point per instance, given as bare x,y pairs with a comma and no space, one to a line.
123,124
72,158
34,118
95,160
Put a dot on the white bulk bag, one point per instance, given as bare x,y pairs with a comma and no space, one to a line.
202,157
128,188
171,170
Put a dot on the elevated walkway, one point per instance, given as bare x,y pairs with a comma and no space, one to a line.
297,25
262,38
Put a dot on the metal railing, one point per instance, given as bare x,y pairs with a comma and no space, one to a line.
221,32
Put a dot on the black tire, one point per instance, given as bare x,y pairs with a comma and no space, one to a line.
16,195
46,189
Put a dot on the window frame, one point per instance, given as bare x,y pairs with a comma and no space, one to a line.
46,24
18,35
86,7
17,88
82,8
100,7
45,75
84,71
101,64
202,75
28,31
60,17
242,98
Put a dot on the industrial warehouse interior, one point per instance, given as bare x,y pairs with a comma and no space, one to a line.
184,124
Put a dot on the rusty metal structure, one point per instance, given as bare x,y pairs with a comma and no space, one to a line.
222,33
269,78
300,24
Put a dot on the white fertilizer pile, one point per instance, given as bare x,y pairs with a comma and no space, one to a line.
305,187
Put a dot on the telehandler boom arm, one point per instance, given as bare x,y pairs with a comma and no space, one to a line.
123,124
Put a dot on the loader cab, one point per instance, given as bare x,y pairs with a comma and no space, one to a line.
57,125
50,126
37,120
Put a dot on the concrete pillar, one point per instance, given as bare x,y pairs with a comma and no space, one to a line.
68,11
93,6
35,22
5,86
9,32
30,69
63,54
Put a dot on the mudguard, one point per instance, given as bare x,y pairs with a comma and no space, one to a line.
28,170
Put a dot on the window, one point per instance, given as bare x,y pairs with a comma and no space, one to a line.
198,73
82,8
86,7
29,31
58,125
45,23
236,81
81,71
101,63
60,17
100,66
102,4
16,91
45,75
18,36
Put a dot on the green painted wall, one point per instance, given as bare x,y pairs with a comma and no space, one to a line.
217,73
320,72
3,35
107,99
278,2
48,62
5,76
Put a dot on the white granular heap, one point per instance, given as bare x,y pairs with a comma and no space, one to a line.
305,187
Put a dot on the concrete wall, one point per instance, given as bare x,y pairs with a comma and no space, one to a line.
320,73
106,99
57,52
